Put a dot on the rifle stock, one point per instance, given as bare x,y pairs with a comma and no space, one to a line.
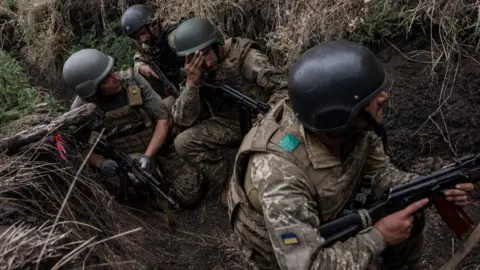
455,217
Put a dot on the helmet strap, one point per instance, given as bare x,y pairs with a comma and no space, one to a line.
378,128
216,50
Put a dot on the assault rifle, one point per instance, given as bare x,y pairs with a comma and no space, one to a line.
158,70
464,170
246,103
129,169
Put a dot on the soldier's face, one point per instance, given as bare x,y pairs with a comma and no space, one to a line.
110,85
375,106
143,35
209,58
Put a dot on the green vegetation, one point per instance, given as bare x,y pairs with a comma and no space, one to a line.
377,26
17,97
119,47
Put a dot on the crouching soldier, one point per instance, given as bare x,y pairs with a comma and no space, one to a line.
140,23
136,119
237,62
311,156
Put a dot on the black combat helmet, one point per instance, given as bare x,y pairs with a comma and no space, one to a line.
331,83
194,35
136,17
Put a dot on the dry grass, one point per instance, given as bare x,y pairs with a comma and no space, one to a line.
34,185
287,27
44,29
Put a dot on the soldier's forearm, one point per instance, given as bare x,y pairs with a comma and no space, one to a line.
94,159
136,65
158,139
187,106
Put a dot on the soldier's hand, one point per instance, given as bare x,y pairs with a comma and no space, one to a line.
396,227
193,67
147,71
109,167
459,195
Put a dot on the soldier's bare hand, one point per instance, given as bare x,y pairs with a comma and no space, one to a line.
459,195
147,71
193,67
396,227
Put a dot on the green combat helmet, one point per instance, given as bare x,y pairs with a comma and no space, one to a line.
84,70
136,17
194,35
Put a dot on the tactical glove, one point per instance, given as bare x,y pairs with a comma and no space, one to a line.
109,167
145,163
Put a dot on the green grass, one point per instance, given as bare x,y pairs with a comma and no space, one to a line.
106,41
379,25
17,97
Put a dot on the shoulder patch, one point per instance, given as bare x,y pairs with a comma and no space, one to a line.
289,142
289,238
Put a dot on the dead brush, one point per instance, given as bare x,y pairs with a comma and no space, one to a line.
20,245
34,184
48,27
453,27
287,27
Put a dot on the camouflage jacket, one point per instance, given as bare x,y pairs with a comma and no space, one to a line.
286,183
244,68
163,52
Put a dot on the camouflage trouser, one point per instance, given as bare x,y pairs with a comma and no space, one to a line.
184,180
407,254
207,144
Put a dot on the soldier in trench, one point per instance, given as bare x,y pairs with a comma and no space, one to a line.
211,126
305,161
125,101
143,25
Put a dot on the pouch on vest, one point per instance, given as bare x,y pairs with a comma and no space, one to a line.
134,95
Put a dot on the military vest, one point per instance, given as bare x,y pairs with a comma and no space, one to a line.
129,128
266,136
229,72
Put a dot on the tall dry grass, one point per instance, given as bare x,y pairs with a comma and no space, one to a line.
289,27
57,215
46,28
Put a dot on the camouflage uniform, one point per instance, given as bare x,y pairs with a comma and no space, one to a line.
163,52
120,113
286,183
205,141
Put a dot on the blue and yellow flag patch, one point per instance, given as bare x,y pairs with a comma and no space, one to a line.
289,238
289,142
